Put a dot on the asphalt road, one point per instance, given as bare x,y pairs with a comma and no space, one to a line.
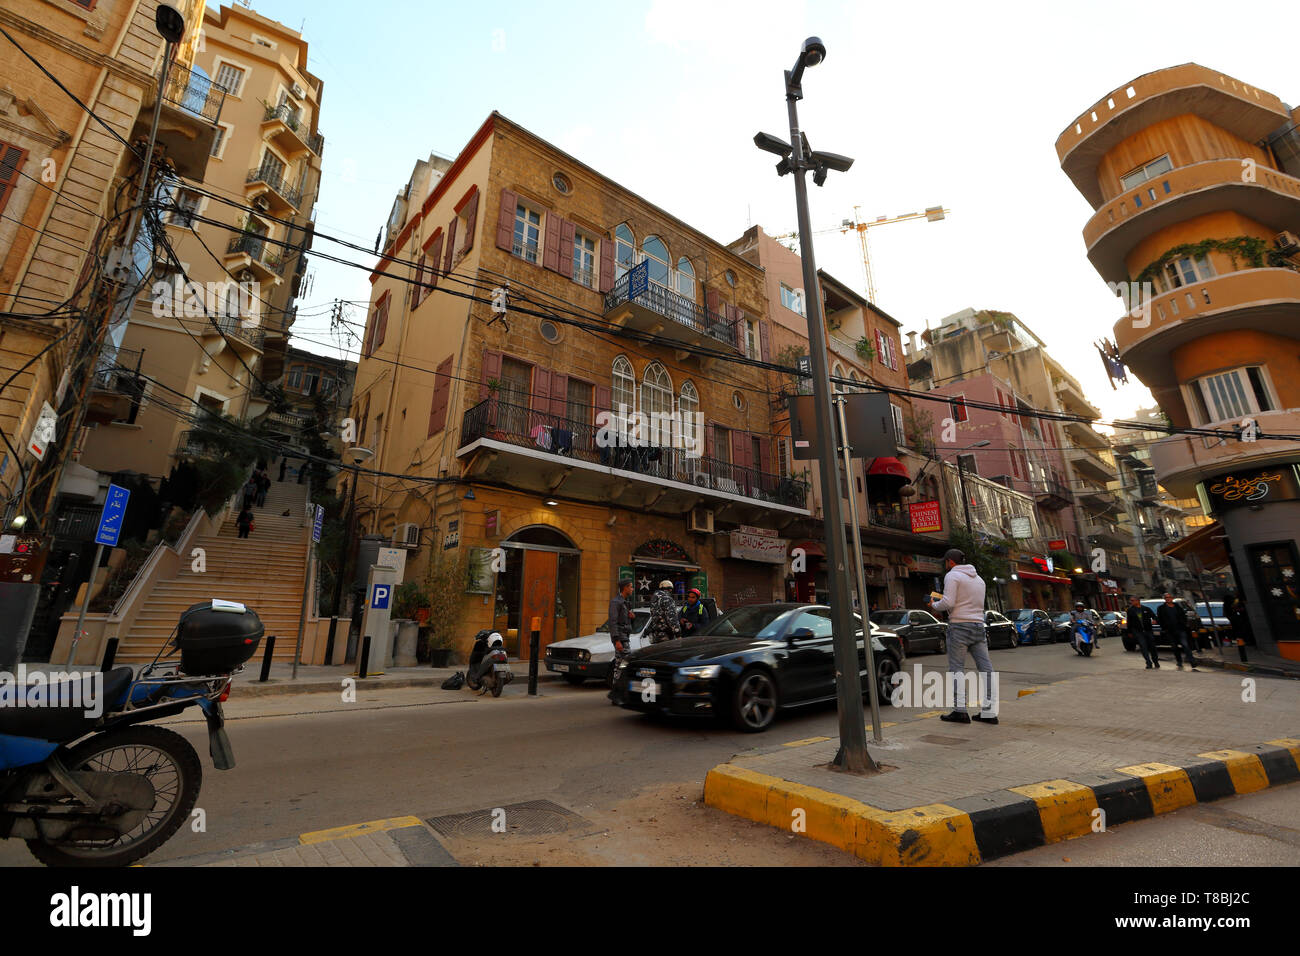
312,762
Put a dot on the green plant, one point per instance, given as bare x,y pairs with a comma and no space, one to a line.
918,429
988,562
866,351
494,385
1250,249
444,587
1064,561
408,598
789,356
120,578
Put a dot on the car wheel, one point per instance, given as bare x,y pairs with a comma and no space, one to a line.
942,646
886,668
577,680
753,701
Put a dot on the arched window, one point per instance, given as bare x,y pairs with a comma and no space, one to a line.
656,252
853,377
689,405
656,390
624,250
837,371
686,279
624,393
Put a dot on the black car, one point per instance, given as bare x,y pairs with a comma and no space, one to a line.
1001,632
1063,627
750,663
920,630
1032,625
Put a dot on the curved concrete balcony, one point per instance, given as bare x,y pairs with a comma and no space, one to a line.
1264,299
1163,94
1183,460
1259,193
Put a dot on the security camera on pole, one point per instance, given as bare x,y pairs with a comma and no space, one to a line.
798,158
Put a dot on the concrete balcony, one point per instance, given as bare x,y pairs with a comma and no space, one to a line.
289,132
1183,460
1086,435
1108,535
1264,299
265,184
187,122
663,312
252,252
1272,199
1074,401
1091,465
1241,109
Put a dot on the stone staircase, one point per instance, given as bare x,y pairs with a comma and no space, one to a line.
263,571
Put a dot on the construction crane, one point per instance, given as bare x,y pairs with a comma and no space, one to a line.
931,214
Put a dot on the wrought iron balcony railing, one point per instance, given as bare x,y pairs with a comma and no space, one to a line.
259,250
680,309
571,438
193,93
272,176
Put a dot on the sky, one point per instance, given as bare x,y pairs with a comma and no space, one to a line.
939,102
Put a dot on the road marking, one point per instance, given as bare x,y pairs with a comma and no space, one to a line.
1169,787
1064,807
358,829
1246,770
806,740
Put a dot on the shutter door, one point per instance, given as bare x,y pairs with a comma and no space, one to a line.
435,258
540,399
765,340
471,221
551,243
506,219
567,236
559,394
441,394
11,160
491,370
449,258
606,264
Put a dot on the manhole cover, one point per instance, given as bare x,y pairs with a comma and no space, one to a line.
530,818
946,741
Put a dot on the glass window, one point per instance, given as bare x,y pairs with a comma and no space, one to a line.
899,433
624,250
752,348
584,260
1234,394
1149,171
657,253
624,393
294,380
688,405
229,78
528,230
578,402
837,371
818,623
791,299
686,279
656,390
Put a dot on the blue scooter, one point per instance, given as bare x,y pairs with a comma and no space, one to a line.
1083,639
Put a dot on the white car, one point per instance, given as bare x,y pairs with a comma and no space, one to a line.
590,657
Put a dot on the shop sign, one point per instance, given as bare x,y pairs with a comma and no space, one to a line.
1241,489
480,571
1021,527
1056,545
700,581
452,538
927,565
490,521
925,516
758,547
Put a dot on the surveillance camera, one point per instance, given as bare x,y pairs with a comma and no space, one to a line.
833,161
772,144
814,51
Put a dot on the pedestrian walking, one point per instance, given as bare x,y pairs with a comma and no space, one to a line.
1235,610
1140,623
620,634
244,522
1173,625
284,463
664,624
963,599
263,486
250,493
694,615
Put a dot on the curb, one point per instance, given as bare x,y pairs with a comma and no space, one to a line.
973,829
275,687
1267,670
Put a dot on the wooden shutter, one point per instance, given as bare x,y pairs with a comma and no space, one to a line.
370,333
765,340
441,394
604,398
880,349
506,220
606,264
739,448
417,291
471,221
491,370
540,399
551,242
559,395
451,247
381,320
709,438
764,463
568,234
739,329
435,258
11,160
713,302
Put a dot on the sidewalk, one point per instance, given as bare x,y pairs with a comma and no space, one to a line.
324,679
1067,759
1267,665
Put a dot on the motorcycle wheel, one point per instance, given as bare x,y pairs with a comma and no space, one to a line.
495,686
1087,649
471,682
171,766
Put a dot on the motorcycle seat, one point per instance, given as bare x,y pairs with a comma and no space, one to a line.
71,716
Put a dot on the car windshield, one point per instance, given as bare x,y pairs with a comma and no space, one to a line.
888,617
1021,614
761,620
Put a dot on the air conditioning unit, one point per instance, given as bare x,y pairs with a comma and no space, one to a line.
261,202
298,91
1287,243
700,521
406,536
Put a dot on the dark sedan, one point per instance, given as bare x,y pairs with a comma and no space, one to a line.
1001,632
920,630
750,663
1032,625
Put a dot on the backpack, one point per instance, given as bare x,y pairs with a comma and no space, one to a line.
455,682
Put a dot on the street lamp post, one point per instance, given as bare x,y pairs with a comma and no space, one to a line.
358,456
798,158
961,476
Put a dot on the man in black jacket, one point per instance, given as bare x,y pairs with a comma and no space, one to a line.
620,633
1140,622
1173,625
694,614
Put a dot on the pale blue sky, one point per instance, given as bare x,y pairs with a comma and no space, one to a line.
939,102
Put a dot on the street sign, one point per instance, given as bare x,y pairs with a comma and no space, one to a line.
380,596
1021,527
110,519
43,431
638,280
805,375
316,524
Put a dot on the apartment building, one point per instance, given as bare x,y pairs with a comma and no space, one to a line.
523,305
895,498
1194,179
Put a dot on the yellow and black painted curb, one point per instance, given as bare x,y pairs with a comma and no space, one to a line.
970,830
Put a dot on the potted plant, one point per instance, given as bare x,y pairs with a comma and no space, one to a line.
866,351
444,595
407,599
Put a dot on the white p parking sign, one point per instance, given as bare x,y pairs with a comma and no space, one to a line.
380,596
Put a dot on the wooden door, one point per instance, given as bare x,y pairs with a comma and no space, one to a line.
541,576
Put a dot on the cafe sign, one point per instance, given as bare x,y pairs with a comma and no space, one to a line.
925,516
758,544
1242,489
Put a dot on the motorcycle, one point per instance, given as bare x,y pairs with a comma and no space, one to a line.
488,668
83,781
1083,639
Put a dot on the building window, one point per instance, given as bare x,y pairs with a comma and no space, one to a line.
624,251
731,278
656,390
689,405
310,381
561,183
783,457
656,253
967,464
549,331
685,279
791,299
837,371
1149,171
294,381
738,401
1234,394
624,392
1184,271
528,230
887,354
11,160
577,401
217,142
584,260
751,338
186,206
230,78
959,410
900,435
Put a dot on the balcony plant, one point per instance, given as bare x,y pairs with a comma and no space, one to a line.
866,351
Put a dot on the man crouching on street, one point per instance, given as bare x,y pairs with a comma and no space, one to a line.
963,599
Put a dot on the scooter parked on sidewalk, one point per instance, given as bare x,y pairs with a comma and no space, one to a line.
82,782
489,667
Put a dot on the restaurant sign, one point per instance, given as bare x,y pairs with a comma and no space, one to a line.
925,516
758,544
1240,489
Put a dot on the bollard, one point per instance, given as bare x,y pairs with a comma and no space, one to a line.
110,654
266,659
534,644
365,658
1241,649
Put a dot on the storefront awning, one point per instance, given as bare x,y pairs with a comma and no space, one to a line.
810,548
1035,576
888,468
1205,543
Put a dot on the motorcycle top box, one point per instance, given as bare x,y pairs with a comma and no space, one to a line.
215,637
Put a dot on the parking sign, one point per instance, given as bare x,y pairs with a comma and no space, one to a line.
379,598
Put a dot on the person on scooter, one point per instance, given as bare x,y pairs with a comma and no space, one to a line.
1079,616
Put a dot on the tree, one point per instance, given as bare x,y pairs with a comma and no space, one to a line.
982,552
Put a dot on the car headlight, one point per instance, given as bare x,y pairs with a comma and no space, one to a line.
700,673
584,655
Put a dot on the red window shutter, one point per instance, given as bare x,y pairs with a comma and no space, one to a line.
559,394
417,291
604,398
739,448
491,370
568,234
765,340
506,219
880,349
451,247
11,160
370,333
606,264
435,258
540,400
738,329
471,221
381,320
551,242
441,394
709,438
764,463
713,302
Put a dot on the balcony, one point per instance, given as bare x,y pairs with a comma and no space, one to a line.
187,122
1091,465
115,389
1086,435
1273,199
1099,500
1073,400
230,327
535,451
267,182
1182,461
1108,535
1267,300
286,129
1053,495
1248,112
663,312
253,252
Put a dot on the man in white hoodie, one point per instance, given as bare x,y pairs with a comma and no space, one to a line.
963,599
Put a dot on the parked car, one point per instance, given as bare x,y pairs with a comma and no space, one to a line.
1113,623
1213,618
920,630
1001,632
1193,622
590,657
1033,626
751,663
1061,627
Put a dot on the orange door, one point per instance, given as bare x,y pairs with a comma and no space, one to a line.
541,575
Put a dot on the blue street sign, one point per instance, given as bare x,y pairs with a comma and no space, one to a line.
316,524
379,600
638,280
110,519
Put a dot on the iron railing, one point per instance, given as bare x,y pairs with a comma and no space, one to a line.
292,119
77,522
886,518
528,251
680,309
115,371
259,250
233,327
268,173
571,438
193,92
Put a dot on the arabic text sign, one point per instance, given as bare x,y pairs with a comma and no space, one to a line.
110,519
